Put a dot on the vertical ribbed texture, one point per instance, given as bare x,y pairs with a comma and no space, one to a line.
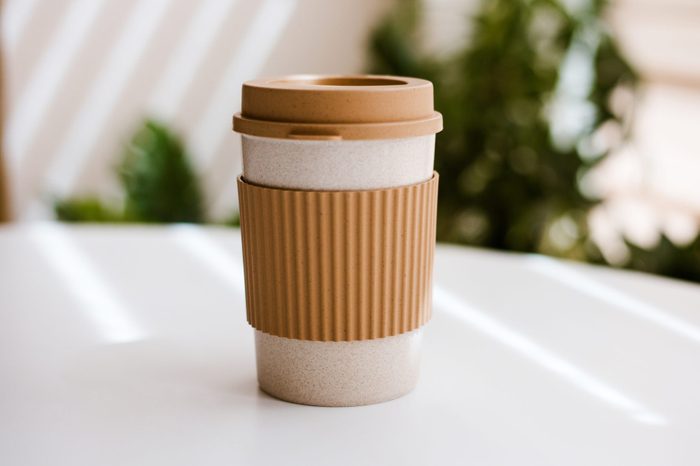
338,265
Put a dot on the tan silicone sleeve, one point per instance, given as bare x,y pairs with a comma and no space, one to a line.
338,265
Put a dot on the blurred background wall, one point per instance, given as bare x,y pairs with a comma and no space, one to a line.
653,184
80,76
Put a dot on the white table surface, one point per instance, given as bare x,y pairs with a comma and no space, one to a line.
129,346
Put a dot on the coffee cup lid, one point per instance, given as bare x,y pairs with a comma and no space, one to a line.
327,107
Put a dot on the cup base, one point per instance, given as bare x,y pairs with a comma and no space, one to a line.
329,373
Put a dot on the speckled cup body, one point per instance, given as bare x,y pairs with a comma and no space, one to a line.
338,373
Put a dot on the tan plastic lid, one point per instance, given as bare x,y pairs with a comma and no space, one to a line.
337,107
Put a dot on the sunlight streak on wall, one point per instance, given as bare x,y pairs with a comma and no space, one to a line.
187,57
55,62
103,96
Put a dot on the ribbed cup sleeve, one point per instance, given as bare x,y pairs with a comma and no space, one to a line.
338,265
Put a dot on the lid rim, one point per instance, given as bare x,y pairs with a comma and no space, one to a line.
342,131
342,106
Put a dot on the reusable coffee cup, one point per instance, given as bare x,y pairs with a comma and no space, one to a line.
338,202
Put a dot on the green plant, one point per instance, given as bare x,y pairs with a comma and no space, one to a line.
522,101
87,209
158,179
667,258
160,185
507,180
234,220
